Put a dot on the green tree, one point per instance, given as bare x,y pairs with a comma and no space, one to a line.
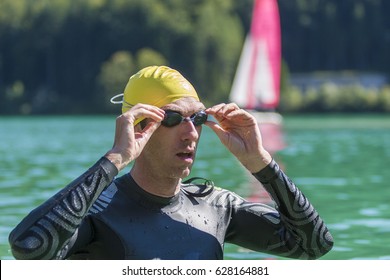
147,57
113,76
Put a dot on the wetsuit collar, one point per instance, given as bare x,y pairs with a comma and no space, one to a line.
134,191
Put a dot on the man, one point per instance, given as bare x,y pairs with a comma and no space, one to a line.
150,213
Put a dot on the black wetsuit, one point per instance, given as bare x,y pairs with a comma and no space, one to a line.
95,217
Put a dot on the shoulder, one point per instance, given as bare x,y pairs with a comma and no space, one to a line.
104,199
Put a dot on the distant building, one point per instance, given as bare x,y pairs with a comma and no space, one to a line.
345,78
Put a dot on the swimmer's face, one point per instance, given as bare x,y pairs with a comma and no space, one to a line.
171,150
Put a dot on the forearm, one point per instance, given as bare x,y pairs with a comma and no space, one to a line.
46,230
296,212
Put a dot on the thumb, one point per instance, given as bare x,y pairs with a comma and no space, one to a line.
221,133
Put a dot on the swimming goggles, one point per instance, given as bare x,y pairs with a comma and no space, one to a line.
173,118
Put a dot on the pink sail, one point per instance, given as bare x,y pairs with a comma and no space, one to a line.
257,81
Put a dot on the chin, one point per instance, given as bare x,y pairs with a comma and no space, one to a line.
184,173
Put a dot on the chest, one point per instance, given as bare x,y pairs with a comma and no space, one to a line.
187,231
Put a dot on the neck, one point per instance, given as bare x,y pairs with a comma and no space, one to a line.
154,183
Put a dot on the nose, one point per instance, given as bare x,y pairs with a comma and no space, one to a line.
189,130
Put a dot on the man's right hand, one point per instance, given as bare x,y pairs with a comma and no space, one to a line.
129,140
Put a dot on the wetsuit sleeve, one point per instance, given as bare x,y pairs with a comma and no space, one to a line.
50,230
294,229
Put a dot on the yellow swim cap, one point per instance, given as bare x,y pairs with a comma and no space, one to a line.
156,85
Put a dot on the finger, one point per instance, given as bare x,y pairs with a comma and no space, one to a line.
147,132
123,123
145,111
143,137
241,117
221,133
234,113
222,108
225,110
213,110
217,112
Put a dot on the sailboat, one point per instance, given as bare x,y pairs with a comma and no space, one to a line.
256,85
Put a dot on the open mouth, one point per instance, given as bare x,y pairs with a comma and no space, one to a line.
186,156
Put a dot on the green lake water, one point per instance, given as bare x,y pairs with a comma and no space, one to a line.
341,163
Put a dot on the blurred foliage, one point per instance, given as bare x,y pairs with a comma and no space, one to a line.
146,57
71,56
115,73
331,98
81,52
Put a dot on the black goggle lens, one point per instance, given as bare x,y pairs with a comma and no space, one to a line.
173,118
